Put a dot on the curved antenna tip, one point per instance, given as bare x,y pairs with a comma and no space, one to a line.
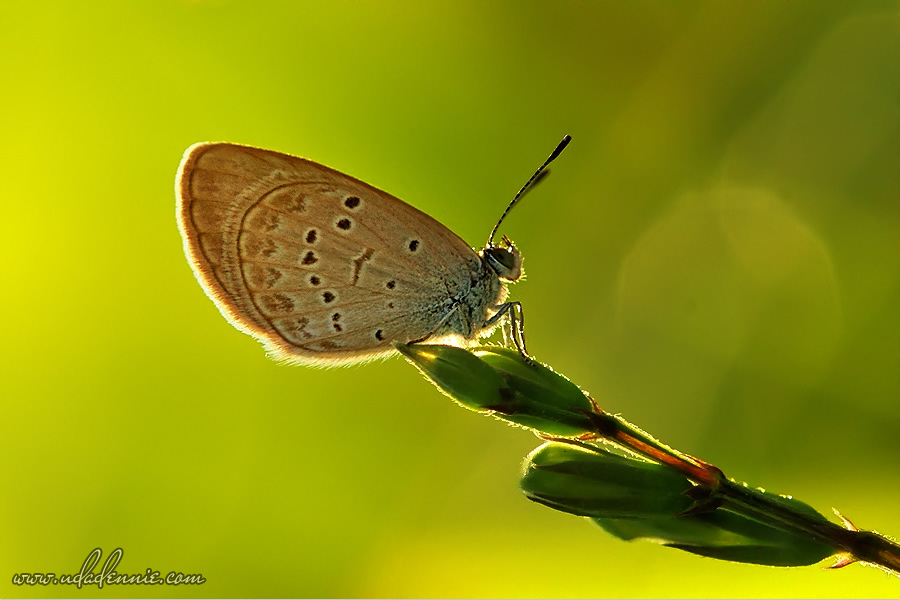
538,176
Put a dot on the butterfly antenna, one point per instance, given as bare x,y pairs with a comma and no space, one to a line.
535,179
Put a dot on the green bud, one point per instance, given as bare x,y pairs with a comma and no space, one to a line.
598,483
539,383
458,373
503,382
543,400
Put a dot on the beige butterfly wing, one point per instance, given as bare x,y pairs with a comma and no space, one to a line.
321,267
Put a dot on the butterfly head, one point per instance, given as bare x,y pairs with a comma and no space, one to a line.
505,260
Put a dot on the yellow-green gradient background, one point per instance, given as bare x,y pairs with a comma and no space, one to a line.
715,257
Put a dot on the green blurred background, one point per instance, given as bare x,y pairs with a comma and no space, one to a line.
715,257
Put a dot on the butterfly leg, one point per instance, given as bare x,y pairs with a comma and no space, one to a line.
516,317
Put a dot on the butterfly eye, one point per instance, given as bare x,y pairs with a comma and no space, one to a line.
505,261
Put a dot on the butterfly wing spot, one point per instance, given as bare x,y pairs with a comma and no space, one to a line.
314,280
264,277
413,245
287,199
253,246
351,202
263,220
390,305
358,263
311,236
309,258
336,317
344,224
272,276
277,304
299,328
338,328
391,284
379,335
328,297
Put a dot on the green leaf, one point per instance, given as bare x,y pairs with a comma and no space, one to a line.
725,535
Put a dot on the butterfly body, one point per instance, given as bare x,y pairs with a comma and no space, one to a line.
323,268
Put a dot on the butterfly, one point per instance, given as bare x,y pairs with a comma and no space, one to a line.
324,269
